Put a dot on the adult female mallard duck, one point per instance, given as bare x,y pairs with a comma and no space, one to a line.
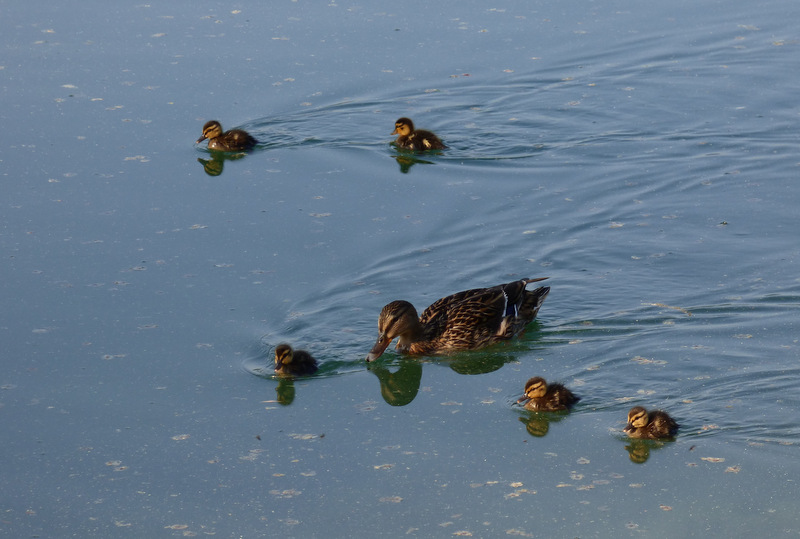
650,425
234,140
297,362
541,397
415,139
464,321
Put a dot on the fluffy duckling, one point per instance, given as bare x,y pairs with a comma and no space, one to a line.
541,397
415,139
235,140
297,362
650,425
463,321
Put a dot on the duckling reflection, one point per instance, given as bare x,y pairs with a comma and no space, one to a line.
407,161
285,391
294,362
415,139
235,140
215,165
639,450
541,397
653,425
400,387
537,424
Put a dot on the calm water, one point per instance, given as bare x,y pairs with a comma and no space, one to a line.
643,157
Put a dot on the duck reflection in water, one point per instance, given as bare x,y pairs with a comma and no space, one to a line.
215,165
639,450
538,423
478,362
285,391
400,387
407,161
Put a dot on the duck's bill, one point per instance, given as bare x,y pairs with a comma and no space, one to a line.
537,279
201,139
378,349
628,428
522,399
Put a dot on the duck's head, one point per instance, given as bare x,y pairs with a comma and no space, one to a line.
397,319
403,127
211,130
637,418
283,356
535,388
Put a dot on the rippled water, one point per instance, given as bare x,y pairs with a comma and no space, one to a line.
643,158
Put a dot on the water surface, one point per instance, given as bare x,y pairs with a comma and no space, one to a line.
642,157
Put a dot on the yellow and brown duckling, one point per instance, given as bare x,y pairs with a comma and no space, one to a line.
651,425
415,139
296,362
464,321
235,140
541,397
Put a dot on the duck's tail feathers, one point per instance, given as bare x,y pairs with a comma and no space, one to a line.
532,302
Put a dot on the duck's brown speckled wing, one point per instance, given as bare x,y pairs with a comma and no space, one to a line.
474,321
463,321
443,312
478,317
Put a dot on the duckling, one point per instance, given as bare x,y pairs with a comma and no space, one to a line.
415,139
650,425
466,320
234,140
297,362
541,397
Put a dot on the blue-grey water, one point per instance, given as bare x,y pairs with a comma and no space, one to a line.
642,156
